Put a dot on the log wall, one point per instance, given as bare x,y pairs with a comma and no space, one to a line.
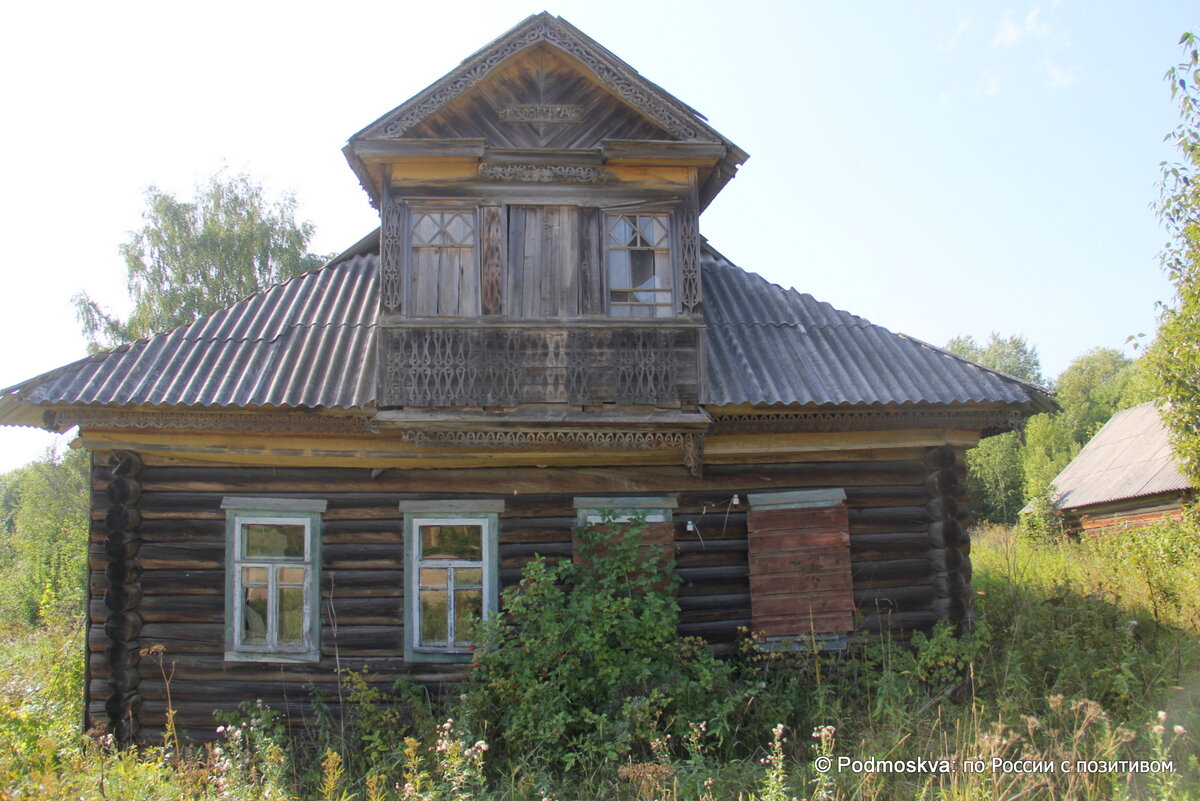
909,564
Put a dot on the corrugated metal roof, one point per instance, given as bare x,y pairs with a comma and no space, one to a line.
306,343
309,343
769,345
1129,457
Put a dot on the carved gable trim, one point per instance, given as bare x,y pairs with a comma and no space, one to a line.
615,74
543,173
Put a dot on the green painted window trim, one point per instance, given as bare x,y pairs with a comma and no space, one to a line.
239,511
491,574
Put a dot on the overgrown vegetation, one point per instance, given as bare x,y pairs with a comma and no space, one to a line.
1008,471
1081,651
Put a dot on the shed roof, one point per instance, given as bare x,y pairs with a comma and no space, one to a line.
1129,457
309,343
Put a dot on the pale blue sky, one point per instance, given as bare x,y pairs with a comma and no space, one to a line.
938,168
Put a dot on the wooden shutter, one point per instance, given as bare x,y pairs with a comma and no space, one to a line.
799,554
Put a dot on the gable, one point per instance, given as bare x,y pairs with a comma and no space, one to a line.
533,39
539,98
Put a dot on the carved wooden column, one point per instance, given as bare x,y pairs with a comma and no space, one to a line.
124,594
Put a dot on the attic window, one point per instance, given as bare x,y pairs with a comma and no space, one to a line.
639,265
445,274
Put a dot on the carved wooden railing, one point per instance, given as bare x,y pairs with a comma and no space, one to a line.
516,364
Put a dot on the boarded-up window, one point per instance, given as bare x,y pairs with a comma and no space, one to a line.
445,273
639,265
657,538
799,553
544,262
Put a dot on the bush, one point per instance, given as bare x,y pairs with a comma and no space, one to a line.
586,664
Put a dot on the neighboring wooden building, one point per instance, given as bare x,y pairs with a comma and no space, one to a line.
343,470
1126,476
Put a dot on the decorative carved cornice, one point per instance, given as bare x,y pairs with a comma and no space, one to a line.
631,87
552,440
213,421
541,114
543,173
779,422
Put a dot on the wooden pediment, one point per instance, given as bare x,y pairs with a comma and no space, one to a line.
540,98
544,84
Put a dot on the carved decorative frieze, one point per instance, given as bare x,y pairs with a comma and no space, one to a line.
476,366
693,454
689,245
553,440
645,365
492,259
617,77
542,113
579,369
866,420
391,254
543,173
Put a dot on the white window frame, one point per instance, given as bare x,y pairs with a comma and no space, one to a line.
486,514
240,512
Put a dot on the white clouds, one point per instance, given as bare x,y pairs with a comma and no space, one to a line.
991,84
1057,76
1011,31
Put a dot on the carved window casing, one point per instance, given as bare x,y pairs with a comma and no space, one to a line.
638,265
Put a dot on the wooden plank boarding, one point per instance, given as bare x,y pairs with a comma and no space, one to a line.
800,576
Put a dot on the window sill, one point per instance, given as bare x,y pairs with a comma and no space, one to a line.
272,656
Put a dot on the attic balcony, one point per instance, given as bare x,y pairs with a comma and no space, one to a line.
555,371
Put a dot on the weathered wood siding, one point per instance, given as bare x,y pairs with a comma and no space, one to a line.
908,563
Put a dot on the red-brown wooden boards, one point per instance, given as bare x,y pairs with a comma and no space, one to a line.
799,555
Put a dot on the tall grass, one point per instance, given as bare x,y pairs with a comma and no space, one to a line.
1083,652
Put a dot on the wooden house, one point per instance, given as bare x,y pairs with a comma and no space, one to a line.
1125,476
344,470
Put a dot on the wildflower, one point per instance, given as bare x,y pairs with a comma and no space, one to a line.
1159,729
1162,716
1179,729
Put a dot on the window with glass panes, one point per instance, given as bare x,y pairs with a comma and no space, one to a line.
272,610
639,265
451,579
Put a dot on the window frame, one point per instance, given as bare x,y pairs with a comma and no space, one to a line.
240,512
664,309
416,207
658,509
485,513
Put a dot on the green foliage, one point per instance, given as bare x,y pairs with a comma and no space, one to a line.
1175,354
1049,445
586,665
1090,390
994,478
1012,355
43,541
192,258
